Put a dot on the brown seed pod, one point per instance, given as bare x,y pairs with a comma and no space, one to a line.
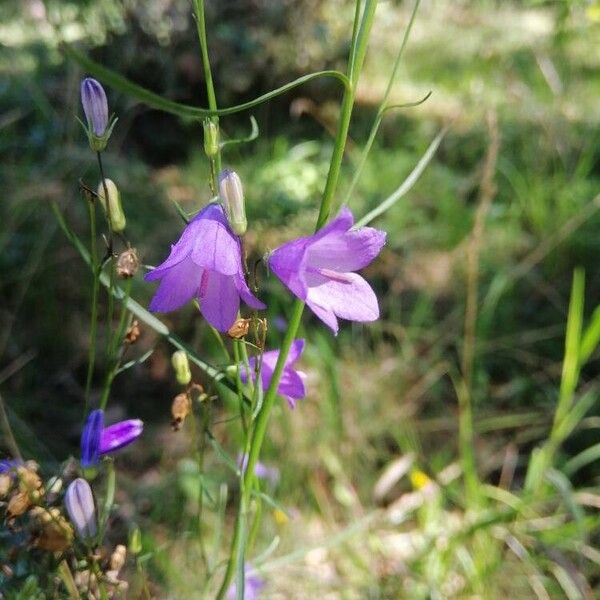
180,408
50,529
18,504
128,263
133,333
239,329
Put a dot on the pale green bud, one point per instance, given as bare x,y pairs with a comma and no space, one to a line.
181,366
211,138
117,216
231,194
135,540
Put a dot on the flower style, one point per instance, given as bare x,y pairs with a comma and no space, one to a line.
206,263
253,584
97,440
319,269
291,384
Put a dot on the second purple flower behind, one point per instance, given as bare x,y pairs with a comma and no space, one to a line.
319,269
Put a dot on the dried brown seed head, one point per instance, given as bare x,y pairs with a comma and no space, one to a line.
239,329
117,559
182,404
128,263
133,333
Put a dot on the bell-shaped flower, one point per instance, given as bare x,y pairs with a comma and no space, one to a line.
291,385
97,440
79,502
205,263
319,269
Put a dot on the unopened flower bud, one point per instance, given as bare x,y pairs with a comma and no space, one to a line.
128,263
79,502
181,366
114,208
135,540
211,138
232,197
95,107
90,440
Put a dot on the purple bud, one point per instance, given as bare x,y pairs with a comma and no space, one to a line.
119,435
90,439
95,105
79,502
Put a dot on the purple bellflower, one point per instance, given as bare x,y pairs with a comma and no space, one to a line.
253,584
319,269
97,440
79,502
291,384
205,263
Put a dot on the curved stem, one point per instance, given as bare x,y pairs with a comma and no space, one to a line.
153,100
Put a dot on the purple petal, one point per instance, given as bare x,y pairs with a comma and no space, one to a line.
246,295
296,350
178,285
325,314
351,298
90,438
120,434
349,251
215,246
291,385
253,584
219,299
340,224
288,263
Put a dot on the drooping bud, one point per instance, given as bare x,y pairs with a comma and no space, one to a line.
231,194
211,138
95,107
128,263
90,440
135,540
120,435
117,216
181,366
79,502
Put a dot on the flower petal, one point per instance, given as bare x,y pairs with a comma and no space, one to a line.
349,251
219,301
288,263
120,434
291,385
296,350
246,295
351,299
325,314
179,285
90,438
215,246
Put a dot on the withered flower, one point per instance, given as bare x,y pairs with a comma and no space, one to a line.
133,333
128,263
239,329
50,529
180,409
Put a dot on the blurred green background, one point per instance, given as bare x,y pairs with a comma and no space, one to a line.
524,72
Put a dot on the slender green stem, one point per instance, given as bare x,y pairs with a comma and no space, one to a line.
357,54
94,312
383,105
113,345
